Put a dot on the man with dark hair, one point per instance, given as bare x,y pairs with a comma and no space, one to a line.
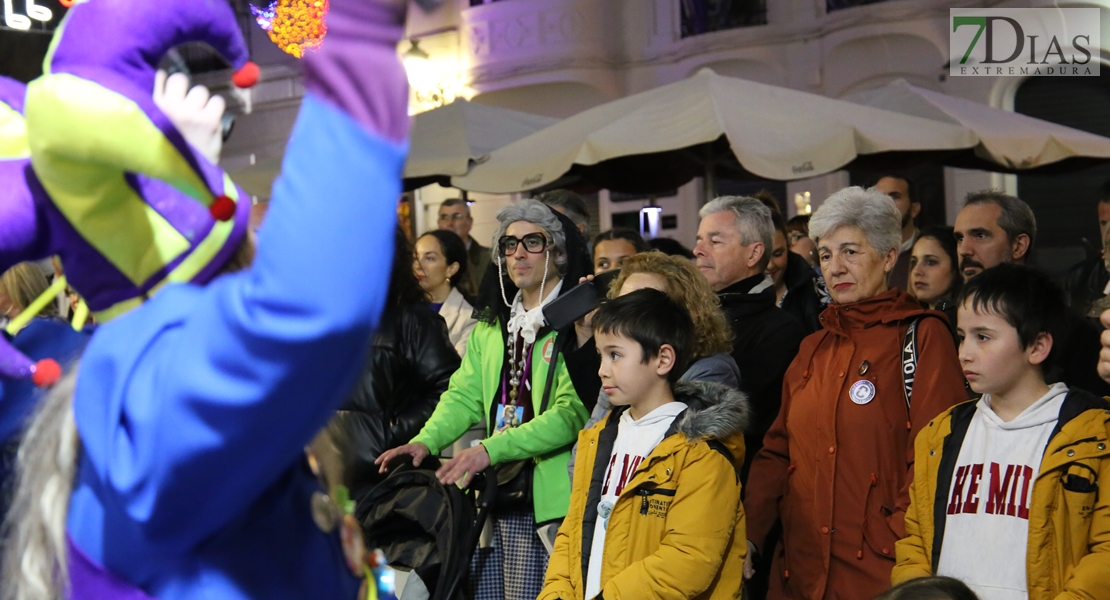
733,250
454,215
901,189
994,228
1088,281
571,205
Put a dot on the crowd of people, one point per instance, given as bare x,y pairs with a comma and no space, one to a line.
832,406
891,336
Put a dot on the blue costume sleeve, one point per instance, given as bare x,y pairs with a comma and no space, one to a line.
191,406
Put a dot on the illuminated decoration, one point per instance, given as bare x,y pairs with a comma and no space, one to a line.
294,25
23,22
432,84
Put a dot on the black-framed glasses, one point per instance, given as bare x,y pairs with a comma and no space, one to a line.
534,243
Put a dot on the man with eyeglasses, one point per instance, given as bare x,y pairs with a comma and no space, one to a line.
527,380
454,215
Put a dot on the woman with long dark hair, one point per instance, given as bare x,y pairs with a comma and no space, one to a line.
440,263
934,268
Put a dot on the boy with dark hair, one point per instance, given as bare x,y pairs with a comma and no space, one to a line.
638,524
1006,493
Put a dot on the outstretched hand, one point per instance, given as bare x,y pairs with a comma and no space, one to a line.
417,451
196,113
462,469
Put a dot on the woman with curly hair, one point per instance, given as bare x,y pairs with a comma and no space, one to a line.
683,283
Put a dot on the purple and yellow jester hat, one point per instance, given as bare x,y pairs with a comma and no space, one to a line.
102,178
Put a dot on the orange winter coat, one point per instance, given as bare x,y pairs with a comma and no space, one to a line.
836,469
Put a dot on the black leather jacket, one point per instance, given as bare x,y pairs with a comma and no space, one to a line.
1084,283
409,367
802,300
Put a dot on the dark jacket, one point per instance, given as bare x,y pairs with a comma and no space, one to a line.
1084,283
802,300
765,339
1077,362
409,367
478,259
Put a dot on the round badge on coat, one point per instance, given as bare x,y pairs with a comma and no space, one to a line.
862,392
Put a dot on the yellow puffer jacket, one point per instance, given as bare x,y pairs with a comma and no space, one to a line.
1068,554
677,529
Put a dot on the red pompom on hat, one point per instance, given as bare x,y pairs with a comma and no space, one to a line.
222,208
247,76
47,372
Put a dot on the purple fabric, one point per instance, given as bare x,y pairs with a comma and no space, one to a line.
356,68
130,37
12,93
89,580
13,364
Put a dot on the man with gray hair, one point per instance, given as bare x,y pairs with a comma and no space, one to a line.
454,215
527,380
993,228
732,252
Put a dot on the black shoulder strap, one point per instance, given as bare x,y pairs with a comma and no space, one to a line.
556,350
909,359
725,452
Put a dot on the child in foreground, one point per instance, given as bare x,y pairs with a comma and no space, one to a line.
1006,493
655,505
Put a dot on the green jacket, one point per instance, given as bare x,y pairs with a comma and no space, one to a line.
547,438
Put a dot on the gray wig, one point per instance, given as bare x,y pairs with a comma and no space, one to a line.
870,210
540,215
753,221
35,528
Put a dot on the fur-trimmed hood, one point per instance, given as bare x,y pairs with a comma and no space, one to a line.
714,411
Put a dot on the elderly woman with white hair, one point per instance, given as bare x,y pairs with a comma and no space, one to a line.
837,462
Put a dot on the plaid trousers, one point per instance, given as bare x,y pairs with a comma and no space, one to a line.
513,567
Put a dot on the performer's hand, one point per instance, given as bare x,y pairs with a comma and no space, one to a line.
195,112
464,467
1104,355
417,451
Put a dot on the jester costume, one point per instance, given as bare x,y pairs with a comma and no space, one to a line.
194,402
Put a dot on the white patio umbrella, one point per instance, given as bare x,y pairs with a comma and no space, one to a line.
445,141
667,135
1010,140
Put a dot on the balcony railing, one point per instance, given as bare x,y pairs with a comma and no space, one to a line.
707,16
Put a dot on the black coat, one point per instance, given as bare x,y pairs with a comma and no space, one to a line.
410,364
765,339
802,300
1084,283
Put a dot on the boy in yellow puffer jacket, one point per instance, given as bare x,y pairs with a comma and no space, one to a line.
655,506
1007,490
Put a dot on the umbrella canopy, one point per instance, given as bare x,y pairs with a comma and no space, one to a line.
1009,140
446,140
701,125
